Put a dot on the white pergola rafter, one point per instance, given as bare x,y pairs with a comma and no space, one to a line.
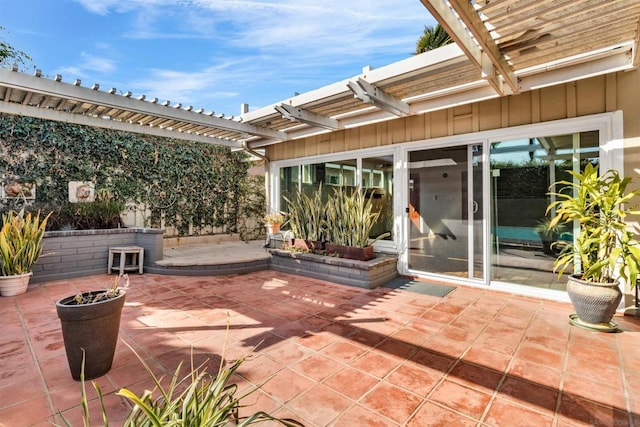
79,119
95,100
371,94
297,114
464,26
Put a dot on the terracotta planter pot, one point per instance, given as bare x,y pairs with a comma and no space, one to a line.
307,245
93,327
273,228
14,285
350,252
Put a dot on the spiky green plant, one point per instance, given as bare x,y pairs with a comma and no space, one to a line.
306,215
350,218
196,400
20,241
605,246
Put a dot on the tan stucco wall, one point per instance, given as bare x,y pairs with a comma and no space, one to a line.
619,91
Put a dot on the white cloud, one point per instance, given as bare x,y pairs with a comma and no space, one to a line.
89,65
260,51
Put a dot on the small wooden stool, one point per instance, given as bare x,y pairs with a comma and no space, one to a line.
137,259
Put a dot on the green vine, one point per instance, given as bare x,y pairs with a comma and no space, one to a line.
189,186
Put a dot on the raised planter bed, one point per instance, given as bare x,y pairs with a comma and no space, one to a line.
78,253
362,274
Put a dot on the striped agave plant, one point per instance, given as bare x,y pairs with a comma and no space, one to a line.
306,215
20,241
350,217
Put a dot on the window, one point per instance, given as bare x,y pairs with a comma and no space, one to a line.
377,181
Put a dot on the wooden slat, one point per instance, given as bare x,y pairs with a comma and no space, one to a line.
536,57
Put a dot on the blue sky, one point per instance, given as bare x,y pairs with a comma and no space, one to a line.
212,54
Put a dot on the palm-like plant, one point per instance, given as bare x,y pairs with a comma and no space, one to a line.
432,38
605,245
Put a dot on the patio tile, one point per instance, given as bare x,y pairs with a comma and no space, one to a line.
474,376
259,369
536,373
20,392
257,401
25,413
396,347
287,352
443,344
484,357
320,406
392,402
529,394
432,415
375,364
343,351
287,384
608,392
351,382
317,367
508,414
359,416
316,340
417,380
576,411
461,399
334,355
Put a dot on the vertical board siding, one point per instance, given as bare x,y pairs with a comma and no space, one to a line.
600,94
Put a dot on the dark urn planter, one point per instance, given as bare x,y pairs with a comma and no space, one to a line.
547,243
350,252
595,303
93,327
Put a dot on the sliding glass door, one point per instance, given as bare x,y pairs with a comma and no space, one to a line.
445,211
522,170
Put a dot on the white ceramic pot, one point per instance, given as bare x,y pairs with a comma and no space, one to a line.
14,285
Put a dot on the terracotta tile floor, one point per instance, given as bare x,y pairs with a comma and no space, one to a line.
331,355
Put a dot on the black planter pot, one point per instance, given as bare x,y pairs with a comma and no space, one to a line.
93,327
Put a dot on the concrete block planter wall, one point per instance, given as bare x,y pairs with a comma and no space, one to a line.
363,274
77,253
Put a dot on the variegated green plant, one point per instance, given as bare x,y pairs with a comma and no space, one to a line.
306,215
605,247
20,241
196,400
350,218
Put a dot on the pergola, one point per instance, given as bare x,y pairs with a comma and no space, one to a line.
502,47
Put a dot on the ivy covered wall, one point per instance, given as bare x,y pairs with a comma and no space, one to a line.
191,186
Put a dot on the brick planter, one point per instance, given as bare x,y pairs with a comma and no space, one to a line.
78,253
362,274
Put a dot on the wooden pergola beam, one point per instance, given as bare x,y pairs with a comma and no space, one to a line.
469,32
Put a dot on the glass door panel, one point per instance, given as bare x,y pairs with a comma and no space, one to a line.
442,199
521,172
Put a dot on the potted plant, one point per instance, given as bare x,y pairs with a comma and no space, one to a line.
604,249
549,235
20,247
273,221
90,323
349,221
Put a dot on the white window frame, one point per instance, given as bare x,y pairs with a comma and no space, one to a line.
611,152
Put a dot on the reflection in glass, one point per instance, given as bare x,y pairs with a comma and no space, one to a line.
376,181
521,172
